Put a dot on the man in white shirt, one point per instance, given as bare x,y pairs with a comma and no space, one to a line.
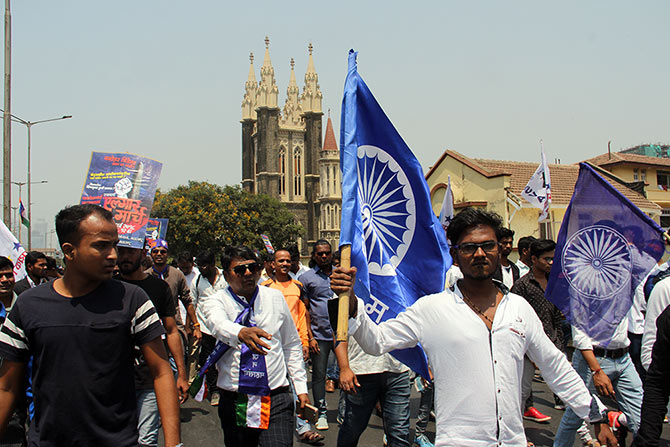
523,247
208,282
610,372
659,299
507,271
265,350
475,337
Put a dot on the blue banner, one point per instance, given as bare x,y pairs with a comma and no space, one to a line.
397,243
605,248
125,184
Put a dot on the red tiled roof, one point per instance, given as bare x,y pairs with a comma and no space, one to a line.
622,157
329,142
563,178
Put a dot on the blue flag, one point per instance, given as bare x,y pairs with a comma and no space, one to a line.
605,248
397,242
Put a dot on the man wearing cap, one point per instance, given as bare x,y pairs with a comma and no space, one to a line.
178,285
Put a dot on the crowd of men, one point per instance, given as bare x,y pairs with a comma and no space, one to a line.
104,352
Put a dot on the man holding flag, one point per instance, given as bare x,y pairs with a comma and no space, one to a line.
476,335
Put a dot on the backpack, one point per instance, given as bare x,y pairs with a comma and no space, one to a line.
652,280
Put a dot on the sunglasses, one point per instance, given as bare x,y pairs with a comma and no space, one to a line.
470,248
160,251
241,269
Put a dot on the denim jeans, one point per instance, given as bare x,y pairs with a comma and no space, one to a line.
333,371
319,366
425,405
627,386
392,390
148,419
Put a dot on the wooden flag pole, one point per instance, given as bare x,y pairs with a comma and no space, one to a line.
343,303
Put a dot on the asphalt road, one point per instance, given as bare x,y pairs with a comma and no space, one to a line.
200,423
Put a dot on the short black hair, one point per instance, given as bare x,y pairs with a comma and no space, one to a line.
294,252
185,256
505,232
236,252
320,242
33,256
541,246
51,263
207,257
6,263
69,219
472,217
525,242
337,255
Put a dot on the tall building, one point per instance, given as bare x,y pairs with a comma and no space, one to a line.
282,154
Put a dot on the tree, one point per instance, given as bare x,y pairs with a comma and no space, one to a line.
207,216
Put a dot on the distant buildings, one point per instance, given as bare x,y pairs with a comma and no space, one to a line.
282,152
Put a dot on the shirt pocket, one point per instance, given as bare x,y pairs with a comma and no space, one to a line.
515,334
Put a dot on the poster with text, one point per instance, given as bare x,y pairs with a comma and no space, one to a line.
156,229
125,184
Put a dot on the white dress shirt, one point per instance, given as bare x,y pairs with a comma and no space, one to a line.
271,313
200,288
523,268
478,372
619,340
362,363
658,301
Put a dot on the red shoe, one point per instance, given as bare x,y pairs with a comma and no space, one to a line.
533,414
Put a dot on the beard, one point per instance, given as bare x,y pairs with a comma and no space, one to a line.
128,267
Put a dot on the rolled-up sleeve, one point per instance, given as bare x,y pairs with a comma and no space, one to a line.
400,332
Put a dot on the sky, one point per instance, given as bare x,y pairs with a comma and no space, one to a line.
165,79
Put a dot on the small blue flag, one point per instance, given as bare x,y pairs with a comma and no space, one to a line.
397,243
605,248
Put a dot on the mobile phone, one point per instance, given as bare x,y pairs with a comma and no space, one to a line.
309,413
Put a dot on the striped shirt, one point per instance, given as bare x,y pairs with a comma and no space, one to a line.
83,360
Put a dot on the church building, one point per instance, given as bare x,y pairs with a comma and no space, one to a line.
282,151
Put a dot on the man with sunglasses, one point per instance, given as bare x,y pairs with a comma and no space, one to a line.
208,282
476,336
260,351
316,283
178,285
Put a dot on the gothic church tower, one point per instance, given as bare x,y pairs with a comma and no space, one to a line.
281,149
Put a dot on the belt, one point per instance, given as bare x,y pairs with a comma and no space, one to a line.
610,353
279,390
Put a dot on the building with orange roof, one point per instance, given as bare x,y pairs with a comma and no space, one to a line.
496,185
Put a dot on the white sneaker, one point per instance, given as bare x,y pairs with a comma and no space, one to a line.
322,423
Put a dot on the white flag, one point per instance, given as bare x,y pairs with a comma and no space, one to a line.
447,211
12,249
538,189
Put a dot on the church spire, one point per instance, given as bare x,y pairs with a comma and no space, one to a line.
311,94
329,142
267,87
250,91
292,108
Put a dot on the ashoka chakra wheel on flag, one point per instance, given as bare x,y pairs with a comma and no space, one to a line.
597,262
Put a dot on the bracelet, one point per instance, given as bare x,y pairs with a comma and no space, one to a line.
196,325
597,371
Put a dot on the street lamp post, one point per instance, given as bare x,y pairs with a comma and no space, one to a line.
29,125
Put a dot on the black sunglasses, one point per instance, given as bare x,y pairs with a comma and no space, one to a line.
470,248
241,269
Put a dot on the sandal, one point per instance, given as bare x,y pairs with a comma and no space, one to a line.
312,438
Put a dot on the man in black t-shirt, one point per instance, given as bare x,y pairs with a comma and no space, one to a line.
130,266
81,330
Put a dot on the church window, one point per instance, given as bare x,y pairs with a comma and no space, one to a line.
282,171
297,172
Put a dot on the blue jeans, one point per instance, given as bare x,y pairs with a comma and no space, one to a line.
319,366
333,371
393,390
148,418
627,386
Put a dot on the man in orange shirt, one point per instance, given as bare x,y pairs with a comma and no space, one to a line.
293,293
